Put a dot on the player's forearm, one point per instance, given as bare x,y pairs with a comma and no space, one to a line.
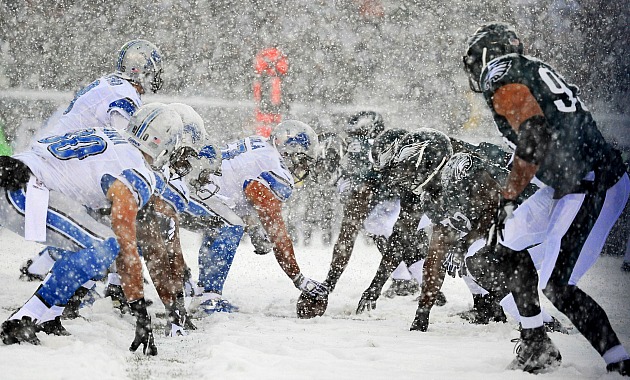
520,176
433,272
341,253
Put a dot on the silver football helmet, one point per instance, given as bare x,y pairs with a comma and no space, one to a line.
297,144
140,62
156,130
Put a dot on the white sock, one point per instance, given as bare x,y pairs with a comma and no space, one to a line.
89,284
41,264
615,354
532,322
34,308
415,270
210,296
401,272
51,314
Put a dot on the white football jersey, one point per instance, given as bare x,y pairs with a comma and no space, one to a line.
252,159
84,164
93,105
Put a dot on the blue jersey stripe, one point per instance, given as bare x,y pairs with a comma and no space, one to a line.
58,222
279,186
175,199
125,104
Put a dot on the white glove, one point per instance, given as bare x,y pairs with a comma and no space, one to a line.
310,287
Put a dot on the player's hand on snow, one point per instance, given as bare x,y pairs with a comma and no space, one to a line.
310,287
174,323
144,332
504,212
368,301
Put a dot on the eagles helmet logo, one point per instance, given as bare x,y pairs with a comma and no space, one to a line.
496,71
387,154
412,150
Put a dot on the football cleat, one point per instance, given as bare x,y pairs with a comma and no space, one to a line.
115,292
25,275
52,327
555,326
535,352
622,367
18,331
219,305
71,310
484,311
401,288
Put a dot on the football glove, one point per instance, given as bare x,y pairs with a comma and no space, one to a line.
455,261
504,212
368,301
13,173
144,332
260,240
310,287
174,322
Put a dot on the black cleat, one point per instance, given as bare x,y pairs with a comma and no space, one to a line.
535,352
555,326
71,311
25,275
18,331
622,367
484,311
115,292
52,327
402,288
421,321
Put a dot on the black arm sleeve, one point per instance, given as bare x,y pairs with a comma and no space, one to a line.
533,139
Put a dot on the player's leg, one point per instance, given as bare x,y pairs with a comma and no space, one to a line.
92,248
216,254
576,252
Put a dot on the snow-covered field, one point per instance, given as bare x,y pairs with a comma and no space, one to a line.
266,341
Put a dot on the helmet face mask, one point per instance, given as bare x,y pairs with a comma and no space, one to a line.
204,168
297,144
487,43
140,62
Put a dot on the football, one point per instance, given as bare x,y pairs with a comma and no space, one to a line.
309,307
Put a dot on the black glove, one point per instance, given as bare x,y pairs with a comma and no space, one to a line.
455,263
144,332
310,287
13,173
504,212
421,321
368,301
260,240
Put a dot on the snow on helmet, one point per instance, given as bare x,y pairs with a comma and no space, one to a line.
419,158
156,130
140,62
367,124
297,143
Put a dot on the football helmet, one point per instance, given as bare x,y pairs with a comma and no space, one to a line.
367,124
419,157
140,62
194,138
331,150
156,130
489,42
384,147
297,143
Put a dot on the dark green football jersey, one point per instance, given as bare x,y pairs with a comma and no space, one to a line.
577,147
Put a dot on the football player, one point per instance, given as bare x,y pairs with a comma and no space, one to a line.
586,188
108,102
257,176
49,188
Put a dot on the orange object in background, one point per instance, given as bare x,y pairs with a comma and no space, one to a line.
270,65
